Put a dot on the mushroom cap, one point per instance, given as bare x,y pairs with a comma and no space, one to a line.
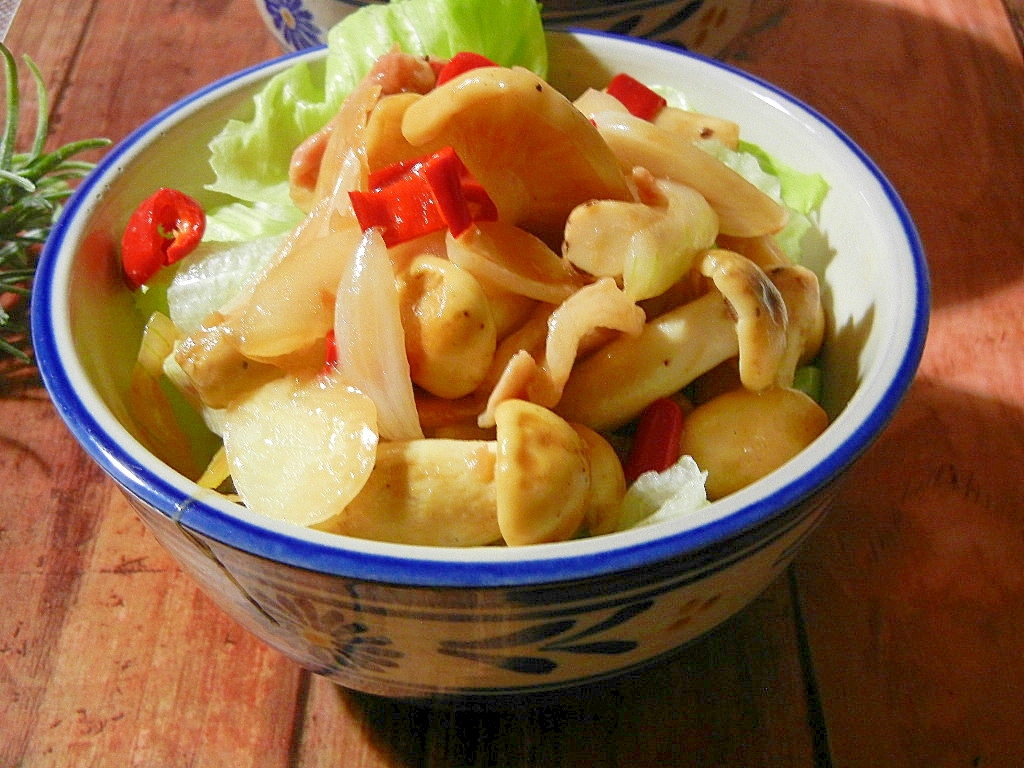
542,476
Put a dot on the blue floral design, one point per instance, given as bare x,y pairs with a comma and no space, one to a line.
558,635
334,639
294,22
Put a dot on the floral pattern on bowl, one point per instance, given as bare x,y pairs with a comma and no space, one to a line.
502,641
703,26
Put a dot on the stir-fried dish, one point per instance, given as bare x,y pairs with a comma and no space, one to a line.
505,317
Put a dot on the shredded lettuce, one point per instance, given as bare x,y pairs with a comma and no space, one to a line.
242,222
250,158
802,193
658,496
208,278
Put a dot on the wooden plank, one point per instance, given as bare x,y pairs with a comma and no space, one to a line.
166,51
1015,9
914,594
733,698
47,524
109,655
168,679
913,590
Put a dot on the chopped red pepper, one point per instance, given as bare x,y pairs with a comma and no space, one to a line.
166,227
640,100
462,62
656,442
416,197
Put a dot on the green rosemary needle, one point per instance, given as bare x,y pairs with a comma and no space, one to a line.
33,188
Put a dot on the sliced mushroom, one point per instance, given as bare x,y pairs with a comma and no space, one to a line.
740,436
613,385
650,244
450,336
607,484
744,314
542,476
742,208
696,126
540,480
761,315
436,492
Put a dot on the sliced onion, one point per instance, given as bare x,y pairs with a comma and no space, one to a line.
370,340
514,260
598,305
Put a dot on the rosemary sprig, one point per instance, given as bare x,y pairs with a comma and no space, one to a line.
33,188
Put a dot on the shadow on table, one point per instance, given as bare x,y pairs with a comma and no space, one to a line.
946,135
734,697
913,590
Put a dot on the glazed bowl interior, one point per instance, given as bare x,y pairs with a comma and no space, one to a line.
875,292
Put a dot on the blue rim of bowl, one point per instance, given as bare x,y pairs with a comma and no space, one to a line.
142,476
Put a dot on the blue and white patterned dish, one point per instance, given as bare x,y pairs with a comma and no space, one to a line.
703,26
419,621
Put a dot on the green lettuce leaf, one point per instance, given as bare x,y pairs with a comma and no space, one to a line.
802,193
250,157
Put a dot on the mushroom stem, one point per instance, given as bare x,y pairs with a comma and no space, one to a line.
761,314
612,385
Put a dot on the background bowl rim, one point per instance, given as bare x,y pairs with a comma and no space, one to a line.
152,483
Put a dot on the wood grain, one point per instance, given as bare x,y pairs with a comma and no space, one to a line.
913,591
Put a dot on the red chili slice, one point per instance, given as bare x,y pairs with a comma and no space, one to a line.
166,227
656,443
414,198
461,62
640,100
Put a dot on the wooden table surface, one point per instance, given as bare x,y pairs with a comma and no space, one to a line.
896,639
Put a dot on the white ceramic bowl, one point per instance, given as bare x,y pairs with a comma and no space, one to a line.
704,26
418,621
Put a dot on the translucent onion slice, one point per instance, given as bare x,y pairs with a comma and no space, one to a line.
370,340
513,260
154,419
